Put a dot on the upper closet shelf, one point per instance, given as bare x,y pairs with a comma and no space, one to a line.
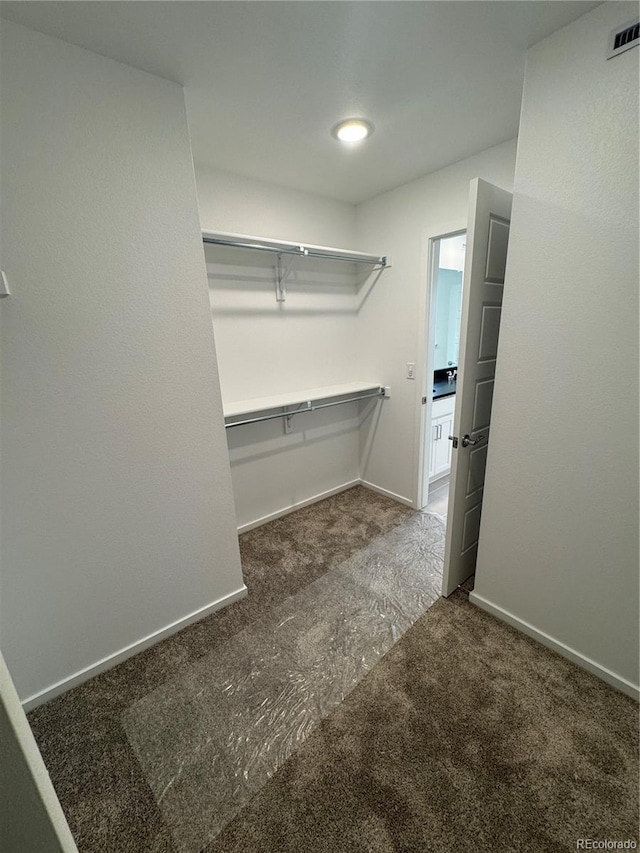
306,401
294,250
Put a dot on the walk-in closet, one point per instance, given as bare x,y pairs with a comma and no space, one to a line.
289,562
298,398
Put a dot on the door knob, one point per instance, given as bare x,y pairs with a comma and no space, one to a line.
466,441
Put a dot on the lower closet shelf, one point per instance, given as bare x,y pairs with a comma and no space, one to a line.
237,413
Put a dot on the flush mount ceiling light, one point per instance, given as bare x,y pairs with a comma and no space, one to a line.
352,130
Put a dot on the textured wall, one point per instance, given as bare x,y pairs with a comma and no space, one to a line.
329,333
559,540
265,347
117,512
392,328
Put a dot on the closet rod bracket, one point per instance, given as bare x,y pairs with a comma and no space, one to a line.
282,274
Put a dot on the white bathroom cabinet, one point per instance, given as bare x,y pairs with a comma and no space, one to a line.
441,428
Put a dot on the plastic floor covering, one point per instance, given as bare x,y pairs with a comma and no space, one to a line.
208,739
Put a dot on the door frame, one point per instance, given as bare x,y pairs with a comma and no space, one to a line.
426,357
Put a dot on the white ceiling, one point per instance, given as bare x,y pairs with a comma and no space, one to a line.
266,81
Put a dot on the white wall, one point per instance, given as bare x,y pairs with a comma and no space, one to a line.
392,327
558,547
117,513
327,331
32,818
230,202
265,347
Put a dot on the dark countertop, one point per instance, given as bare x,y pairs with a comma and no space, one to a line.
443,388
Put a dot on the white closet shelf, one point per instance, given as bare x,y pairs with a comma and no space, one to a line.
308,398
285,247
293,250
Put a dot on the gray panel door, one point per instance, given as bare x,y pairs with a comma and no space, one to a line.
485,261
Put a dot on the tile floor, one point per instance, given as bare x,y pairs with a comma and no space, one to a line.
439,497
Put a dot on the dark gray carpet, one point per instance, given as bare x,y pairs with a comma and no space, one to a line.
210,738
103,791
467,736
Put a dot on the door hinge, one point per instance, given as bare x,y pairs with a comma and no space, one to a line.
424,400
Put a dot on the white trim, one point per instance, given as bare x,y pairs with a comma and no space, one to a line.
388,494
265,519
111,660
433,483
140,645
48,811
602,672
424,384
426,356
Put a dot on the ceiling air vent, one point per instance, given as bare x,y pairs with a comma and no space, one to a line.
624,38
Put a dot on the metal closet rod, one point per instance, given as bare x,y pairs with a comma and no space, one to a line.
310,408
299,251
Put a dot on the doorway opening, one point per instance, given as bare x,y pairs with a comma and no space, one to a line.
446,274
472,367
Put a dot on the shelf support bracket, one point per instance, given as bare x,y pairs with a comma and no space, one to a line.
281,277
289,413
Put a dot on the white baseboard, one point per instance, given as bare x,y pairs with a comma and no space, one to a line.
140,645
134,648
602,672
434,480
265,519
387,493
